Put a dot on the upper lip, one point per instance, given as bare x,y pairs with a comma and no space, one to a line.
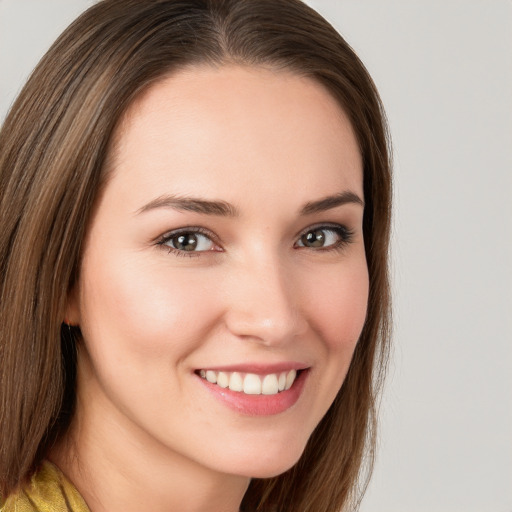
258,368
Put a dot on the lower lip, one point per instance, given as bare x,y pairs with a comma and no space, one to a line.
259,405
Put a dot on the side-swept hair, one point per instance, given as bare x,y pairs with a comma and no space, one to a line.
53,149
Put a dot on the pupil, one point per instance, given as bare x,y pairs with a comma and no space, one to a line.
187,242
314,238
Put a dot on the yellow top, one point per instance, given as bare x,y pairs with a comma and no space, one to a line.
48,491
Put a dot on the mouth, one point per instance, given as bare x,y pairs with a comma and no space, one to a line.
251,383
255,391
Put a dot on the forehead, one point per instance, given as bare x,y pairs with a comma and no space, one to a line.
214,127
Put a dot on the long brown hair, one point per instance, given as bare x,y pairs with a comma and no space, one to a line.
53,149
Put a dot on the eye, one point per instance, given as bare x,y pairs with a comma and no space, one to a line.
324,237
187,241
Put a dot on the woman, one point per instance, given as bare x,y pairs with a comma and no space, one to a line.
194,297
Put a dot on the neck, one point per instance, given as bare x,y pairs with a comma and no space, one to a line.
115,466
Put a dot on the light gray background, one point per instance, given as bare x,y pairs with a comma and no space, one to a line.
444,69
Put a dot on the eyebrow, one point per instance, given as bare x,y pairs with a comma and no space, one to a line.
225,209
329,202
191,204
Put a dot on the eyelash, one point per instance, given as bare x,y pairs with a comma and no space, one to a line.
345,237
167,237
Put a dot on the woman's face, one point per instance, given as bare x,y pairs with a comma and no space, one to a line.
227,245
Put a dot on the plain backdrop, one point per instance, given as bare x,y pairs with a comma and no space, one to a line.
444,70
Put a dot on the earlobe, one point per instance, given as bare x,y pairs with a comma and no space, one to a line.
72,313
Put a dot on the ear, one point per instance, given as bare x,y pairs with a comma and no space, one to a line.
72,314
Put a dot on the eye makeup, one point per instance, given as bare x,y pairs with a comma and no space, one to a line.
192,241
189,241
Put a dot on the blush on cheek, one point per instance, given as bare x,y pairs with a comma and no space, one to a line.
343,313
147,307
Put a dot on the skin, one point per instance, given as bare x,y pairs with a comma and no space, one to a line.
147,434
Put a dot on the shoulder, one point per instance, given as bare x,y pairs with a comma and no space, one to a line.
48,491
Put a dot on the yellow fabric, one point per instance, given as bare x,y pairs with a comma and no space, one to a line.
48,491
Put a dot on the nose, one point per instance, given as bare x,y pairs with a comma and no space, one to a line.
264,303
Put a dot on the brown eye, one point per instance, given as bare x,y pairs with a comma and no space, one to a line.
188,241
314,238
325,237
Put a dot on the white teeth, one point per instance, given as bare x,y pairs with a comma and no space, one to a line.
269,386
235,382
223,380
290,378
282,381
251,383
211,376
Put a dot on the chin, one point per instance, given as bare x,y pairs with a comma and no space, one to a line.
268,461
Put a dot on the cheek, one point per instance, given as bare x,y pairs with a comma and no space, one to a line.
338,309
139,309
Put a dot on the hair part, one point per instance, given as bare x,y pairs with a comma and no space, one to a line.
54,149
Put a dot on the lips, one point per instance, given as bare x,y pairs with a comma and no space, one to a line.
251,383
256,391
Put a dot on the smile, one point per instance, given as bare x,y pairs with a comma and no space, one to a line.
251,383
256,390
